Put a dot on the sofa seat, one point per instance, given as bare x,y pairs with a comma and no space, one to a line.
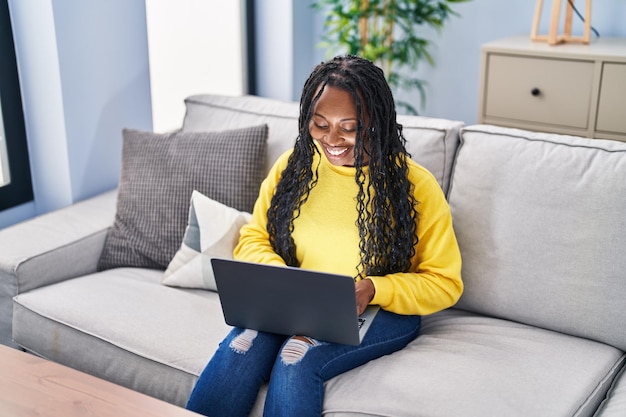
449,371
162,351
615,403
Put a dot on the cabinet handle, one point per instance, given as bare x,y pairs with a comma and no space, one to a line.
535,91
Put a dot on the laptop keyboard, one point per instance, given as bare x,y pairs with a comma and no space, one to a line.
361,322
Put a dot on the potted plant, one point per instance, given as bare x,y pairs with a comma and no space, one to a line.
387,33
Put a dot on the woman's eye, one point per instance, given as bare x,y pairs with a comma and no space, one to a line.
319,126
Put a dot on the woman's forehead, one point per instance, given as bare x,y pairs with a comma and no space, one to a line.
335,92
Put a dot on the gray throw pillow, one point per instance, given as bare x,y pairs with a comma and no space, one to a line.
159,174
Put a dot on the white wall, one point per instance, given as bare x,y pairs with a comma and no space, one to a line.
42,98
305,54
195,46
5,175
105,87
274,46
84,76
286,34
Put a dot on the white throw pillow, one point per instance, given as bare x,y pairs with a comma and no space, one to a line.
212,231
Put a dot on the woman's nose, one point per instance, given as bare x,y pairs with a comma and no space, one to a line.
333,138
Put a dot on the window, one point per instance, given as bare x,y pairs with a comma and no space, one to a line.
15,180
195,47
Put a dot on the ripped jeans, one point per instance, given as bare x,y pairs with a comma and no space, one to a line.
296,368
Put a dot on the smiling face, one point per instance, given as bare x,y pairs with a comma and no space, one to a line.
334,125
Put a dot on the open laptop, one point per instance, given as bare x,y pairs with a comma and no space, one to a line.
290,301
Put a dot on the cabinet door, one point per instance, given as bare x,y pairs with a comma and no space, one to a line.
539,90
612,101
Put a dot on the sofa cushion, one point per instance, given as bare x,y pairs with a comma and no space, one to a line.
540,220
431,142
615,403
159,173
212,231
469,365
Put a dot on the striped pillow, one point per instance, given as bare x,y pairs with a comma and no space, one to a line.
212,231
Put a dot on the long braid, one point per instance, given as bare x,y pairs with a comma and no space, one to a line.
387,220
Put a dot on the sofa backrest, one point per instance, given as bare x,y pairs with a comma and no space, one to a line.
541,222
207,112
432,142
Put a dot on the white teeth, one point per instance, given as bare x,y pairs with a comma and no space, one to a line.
336,152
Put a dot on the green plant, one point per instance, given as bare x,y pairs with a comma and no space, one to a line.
387,33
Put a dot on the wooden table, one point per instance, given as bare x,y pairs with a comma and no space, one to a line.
31,386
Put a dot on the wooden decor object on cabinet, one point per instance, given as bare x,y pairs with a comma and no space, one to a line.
571,89
553,37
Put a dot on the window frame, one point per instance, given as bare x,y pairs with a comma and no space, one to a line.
20,189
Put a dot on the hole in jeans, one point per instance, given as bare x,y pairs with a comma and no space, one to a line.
295,349
243,342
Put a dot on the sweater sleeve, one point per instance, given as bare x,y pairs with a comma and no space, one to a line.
434,282
254,244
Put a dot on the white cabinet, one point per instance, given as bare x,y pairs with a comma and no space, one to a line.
569,88
612,101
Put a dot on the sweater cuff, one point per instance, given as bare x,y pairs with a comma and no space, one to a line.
384,291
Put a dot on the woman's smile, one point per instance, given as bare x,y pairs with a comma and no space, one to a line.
334,152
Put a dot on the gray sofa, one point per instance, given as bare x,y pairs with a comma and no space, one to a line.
539,331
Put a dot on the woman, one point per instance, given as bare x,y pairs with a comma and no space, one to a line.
347,199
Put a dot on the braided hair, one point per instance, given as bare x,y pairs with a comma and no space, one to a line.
387,219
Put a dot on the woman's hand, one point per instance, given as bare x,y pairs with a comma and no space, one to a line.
365,291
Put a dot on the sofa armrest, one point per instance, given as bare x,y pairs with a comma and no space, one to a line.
50,248
56,246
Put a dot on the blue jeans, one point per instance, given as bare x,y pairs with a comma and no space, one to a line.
296,369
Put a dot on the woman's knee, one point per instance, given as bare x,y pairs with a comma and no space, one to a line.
242,342
296,349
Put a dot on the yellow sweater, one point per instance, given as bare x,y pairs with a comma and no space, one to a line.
327,239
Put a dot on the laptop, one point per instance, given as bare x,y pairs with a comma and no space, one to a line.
291,301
